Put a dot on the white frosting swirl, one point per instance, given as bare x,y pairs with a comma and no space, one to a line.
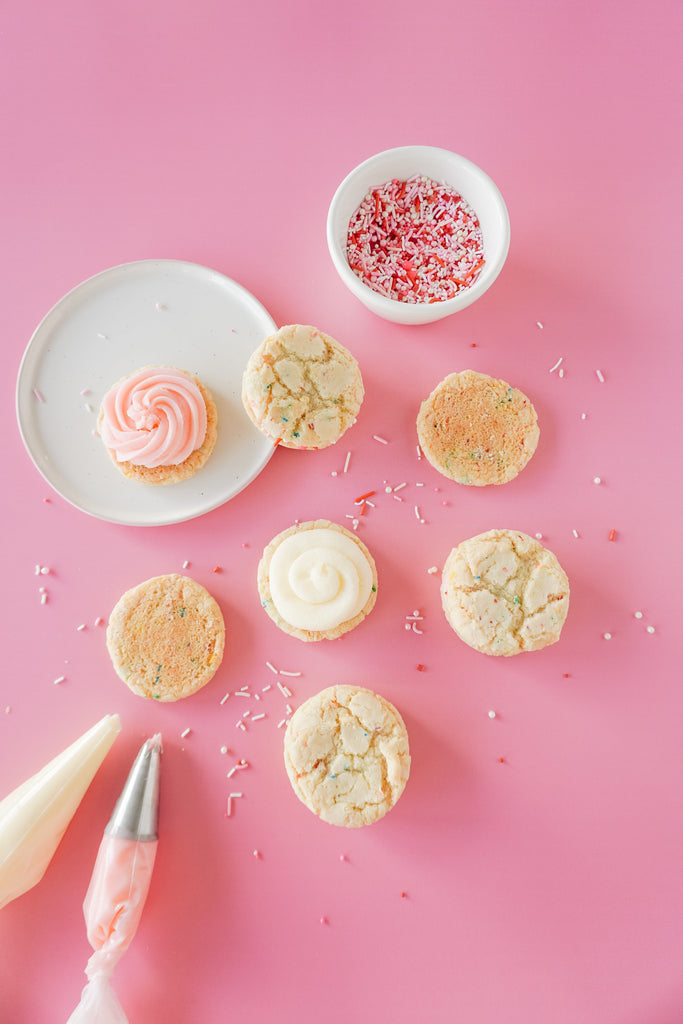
319,579
156,417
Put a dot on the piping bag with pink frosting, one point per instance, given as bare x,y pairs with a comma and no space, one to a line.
119,885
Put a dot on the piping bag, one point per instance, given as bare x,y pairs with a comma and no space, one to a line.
119,885
36,815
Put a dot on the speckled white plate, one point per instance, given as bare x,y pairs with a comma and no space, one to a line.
163,312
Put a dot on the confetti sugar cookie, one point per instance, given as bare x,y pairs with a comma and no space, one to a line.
166,637
477,430
159,425
347,755
302,388
504,593
317,580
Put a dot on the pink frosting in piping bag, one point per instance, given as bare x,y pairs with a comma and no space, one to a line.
119,885
155,417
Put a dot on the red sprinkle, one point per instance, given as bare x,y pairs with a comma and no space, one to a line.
612,534
415,241
363,497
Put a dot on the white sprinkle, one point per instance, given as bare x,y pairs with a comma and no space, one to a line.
8,709
650,629
638,615
104,337
599,375
418,484
160,306
38,395
87,406
265,689
381,440
232,771
80,628
281,723
231,797
288,708
553,368
184,733
186,565
575,532
84,392
399,487
271,667
283,673
255,718
37,571
397,497
607,636
346,464
242,693
387,490
539,536
416,630
99,621
419,451
284,690
433,569
334,473
492,714
45,571
224,750
561,372
59,679
240,725
43,597
583,416
223,699
539,324
418,515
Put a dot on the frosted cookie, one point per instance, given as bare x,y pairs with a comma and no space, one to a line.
302,388
504,593
166,637
477,430
317,580
159,425
347,755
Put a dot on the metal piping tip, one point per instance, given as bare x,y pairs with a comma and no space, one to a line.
136,814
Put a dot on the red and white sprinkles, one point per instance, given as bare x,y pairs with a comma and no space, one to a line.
415,241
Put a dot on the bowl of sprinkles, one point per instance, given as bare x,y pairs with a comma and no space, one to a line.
417,233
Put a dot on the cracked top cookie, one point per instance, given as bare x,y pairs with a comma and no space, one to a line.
347,756
504,593
477,430
302,388
166,637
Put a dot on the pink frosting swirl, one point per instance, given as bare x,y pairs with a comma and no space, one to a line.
155,417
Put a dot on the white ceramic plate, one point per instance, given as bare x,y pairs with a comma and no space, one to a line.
162,312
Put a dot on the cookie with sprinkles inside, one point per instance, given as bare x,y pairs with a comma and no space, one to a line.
317,580
347,755
159,425
477,430
504,593
166,637
302,388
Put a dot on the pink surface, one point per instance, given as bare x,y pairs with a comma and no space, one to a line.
543,887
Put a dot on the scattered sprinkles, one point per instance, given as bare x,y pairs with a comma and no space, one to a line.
557,365
415,241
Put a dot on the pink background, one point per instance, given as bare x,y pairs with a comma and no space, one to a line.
546,888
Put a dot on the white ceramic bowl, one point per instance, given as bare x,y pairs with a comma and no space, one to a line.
447,168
